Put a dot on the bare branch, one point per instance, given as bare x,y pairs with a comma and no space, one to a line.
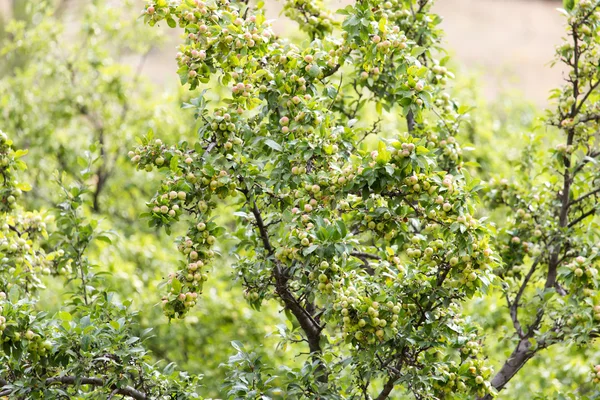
582,217
514,307
362,255
585,196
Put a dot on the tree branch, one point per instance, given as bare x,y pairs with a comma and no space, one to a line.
361,255
582,217
364,257
387,389
410,121
585,196
514,307
75,380
589,92
521,354
310,327
585,161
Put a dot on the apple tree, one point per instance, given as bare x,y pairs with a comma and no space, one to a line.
369,253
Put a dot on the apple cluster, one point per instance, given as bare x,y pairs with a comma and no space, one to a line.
187,283
595,372
20,240
311,15
10,192
470,376
214,32
364,320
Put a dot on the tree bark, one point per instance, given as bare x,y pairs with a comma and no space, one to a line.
387,389
521,354
410,121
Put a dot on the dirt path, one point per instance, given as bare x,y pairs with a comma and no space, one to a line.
509,42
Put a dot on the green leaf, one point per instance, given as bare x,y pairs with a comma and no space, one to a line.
417,51
422,150
176,285
65,316
104,238
169,369
273,144
171,22
314,71
132,340
85,321
234,60
422,71
310,249
237,345
342,228
383,155
26,187
20,153
173,165
382,24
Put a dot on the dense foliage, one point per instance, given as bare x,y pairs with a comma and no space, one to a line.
328,171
